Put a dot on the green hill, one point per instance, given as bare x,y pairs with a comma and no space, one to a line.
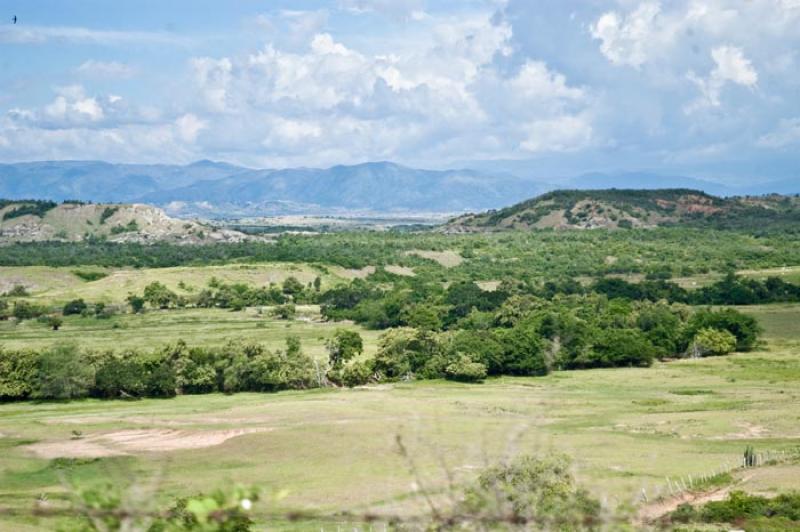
617,208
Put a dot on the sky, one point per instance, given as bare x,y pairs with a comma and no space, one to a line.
708,88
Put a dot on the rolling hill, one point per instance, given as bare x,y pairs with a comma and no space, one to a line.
36,221
618,208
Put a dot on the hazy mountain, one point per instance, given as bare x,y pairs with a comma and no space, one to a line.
647,181
211,189
102,182
220,187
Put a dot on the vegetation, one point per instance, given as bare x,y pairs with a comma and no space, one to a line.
26,207
472,353
67,372
745,511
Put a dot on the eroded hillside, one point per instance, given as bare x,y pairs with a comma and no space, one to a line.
612,209
36,221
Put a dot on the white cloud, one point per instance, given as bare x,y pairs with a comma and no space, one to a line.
401,9
563,133
786,134
73,107
23,34
189,126
105,69
626,39
731,66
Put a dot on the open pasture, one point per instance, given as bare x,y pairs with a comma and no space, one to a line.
335,449
197,327
58,285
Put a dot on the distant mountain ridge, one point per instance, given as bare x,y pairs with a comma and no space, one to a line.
621,208
214,189
381,186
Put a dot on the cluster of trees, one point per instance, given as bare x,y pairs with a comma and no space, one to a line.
731,290
67,372
518,255
218,294
27,207
532,336
525,336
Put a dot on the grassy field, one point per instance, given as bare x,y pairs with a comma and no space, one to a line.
58,285
335,450
198,327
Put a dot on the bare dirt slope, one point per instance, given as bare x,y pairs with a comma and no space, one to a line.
72,222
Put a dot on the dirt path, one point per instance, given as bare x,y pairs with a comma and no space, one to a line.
655,510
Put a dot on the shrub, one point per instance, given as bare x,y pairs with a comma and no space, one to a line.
286,311
18,374
712,342
63,373
136,303
615,348
120,375
357,373
17,291
539,492
89,275
76,306
745,328
344,346
465,370
27,311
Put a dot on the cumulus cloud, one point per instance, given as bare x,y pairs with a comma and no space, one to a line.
73,107
731,66
626,39
433,82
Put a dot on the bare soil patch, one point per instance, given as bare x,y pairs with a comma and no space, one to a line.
448,258
125,442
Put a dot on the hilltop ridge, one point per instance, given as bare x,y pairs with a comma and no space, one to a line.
37,220
630,208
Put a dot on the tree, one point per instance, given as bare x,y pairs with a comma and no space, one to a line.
64,373
27,311
423,316
159,296
55,322
712,342
317,283
292,287
344,346
523,350
285,312
136,303
616,348
745,328
76,306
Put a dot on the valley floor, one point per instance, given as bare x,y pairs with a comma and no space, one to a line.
335,450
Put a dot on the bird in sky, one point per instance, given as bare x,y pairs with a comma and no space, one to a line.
14,20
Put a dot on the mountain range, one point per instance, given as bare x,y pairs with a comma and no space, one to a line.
215,189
